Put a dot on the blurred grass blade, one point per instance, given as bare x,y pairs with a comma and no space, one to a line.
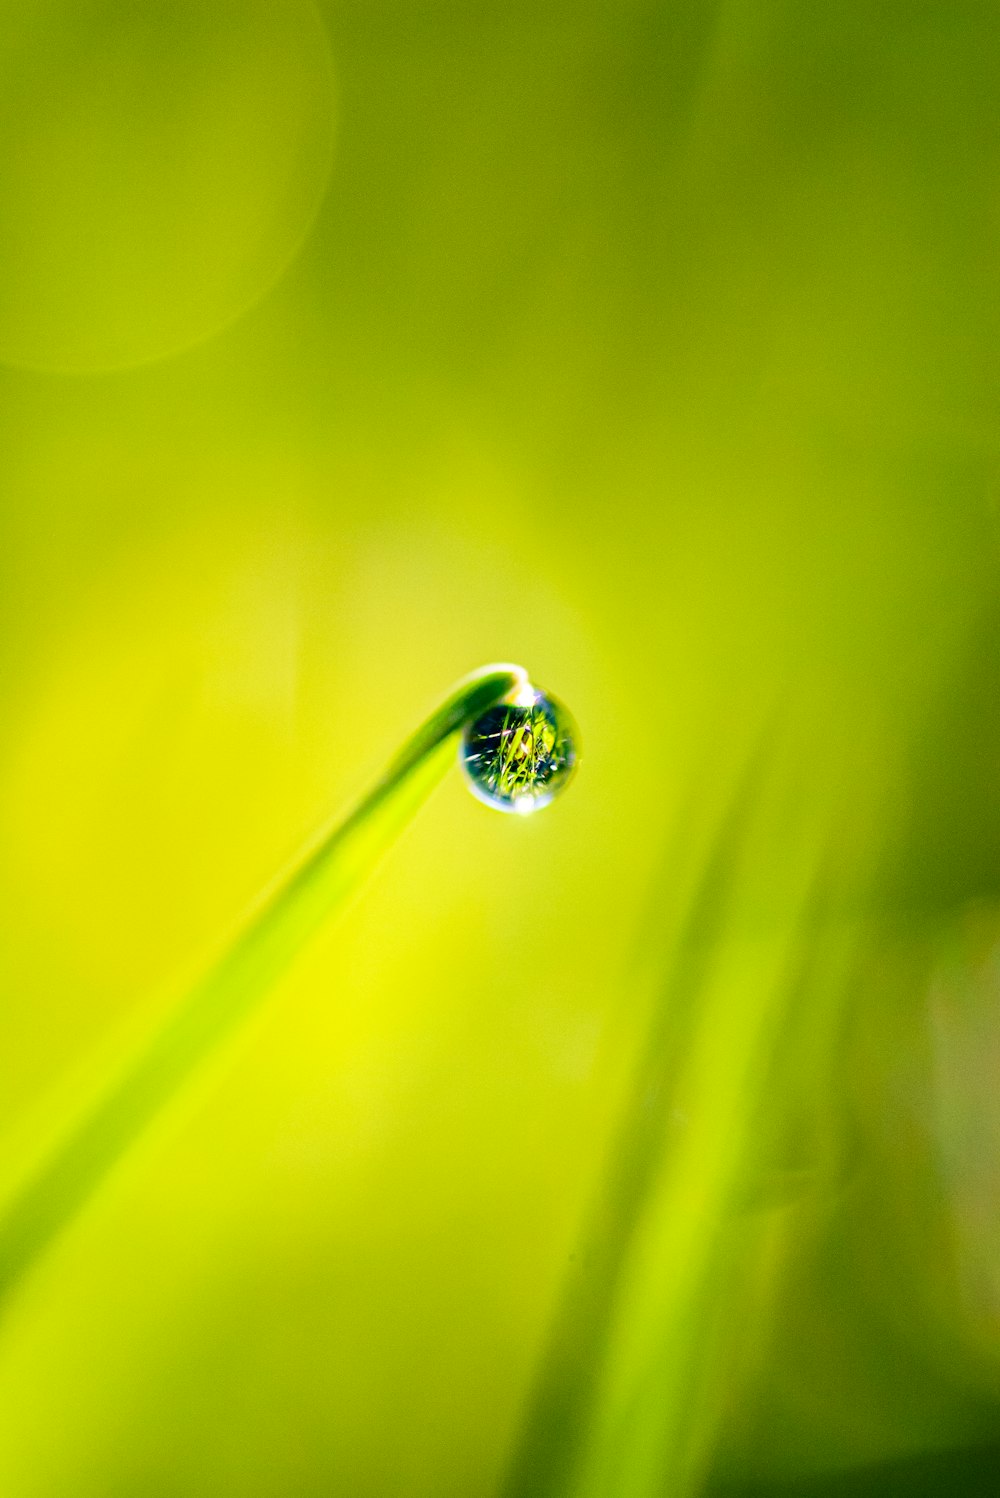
553,1437
284,919
622,1398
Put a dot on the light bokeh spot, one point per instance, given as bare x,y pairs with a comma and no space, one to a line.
160,164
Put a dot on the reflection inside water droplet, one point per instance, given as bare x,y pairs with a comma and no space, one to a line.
520,754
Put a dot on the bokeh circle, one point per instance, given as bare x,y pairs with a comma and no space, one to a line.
161,161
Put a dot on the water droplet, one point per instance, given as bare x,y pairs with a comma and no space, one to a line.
520,754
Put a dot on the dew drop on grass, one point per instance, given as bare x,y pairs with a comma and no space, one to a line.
518,755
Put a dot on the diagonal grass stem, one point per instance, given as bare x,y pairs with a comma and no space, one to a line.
284,919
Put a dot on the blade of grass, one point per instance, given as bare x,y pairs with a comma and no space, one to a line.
285,917
622,1399
554,1434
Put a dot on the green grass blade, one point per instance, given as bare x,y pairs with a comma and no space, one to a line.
285,918
553,1438
637,1348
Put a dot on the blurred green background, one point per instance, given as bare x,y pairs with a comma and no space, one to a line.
647,1146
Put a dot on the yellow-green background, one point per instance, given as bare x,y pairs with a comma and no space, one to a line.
349,347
